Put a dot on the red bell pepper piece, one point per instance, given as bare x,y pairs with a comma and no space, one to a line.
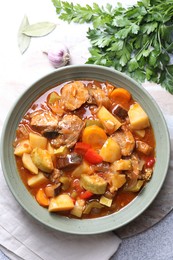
86,195
92,156
81,148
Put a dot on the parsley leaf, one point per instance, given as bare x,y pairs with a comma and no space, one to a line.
99,38
137,40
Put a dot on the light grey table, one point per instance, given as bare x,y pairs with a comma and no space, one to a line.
156,243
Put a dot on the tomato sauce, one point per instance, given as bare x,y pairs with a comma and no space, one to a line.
67,180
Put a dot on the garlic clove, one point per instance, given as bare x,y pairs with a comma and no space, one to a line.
58,55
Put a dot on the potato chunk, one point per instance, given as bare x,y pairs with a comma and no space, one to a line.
110,151
22,147
109,122
60,203
42,159
138,118
37,180
37,141
83,168
122,165
78,208
28,163
50,149
140,133
116,181
61,151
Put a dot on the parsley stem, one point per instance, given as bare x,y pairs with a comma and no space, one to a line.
138,55
168,72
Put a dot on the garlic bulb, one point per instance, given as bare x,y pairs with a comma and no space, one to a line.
58,55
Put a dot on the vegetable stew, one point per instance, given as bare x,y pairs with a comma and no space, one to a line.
85,149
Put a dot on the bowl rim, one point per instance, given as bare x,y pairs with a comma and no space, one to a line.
77,226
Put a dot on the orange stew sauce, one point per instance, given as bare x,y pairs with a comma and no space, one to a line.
85,149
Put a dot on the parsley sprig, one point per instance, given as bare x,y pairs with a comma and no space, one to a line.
137,40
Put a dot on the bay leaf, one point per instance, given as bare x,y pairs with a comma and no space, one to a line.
39,29
23,40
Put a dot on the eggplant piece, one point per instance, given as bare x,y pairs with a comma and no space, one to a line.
53,190
70,160
120,111
50,133
57,189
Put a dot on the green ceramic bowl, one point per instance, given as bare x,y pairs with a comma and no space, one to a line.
103,224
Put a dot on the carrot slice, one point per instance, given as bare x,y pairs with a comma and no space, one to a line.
41,198
120,93
95,136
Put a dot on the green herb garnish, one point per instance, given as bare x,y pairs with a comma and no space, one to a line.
23,40
137,40
27,31
39,29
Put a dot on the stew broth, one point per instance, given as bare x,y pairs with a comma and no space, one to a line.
85,149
